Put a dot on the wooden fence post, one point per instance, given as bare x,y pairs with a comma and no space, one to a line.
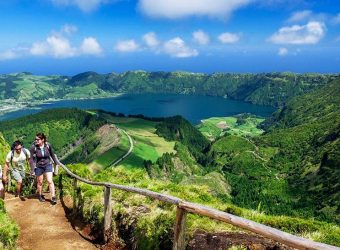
75,193
107,214
179,230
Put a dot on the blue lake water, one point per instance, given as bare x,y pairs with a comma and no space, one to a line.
192,107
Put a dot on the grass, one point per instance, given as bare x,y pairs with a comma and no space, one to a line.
33,87
86,91
147,144
215,127
9,230
152,221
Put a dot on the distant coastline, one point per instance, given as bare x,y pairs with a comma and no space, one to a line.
11,105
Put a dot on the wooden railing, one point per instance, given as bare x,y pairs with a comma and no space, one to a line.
184,207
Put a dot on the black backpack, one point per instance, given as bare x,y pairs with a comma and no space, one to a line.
47,145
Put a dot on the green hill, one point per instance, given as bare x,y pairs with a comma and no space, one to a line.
178,129
63,127
238,175
265,89
294,167
307,132
287,177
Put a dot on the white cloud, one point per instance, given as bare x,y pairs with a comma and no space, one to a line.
58,47
336,19
151,40
229,37
39,49
69,29
176,47
9,55
126,46
300,16
174,9
311,33
90,46
84,5
201,37
282,52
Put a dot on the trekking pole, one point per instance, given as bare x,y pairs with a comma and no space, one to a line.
9,180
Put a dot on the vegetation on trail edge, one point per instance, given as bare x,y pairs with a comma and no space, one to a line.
9,230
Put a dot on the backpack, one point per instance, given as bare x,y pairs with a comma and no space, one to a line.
47,145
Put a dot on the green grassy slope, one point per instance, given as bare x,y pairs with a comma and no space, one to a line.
307,131
150,223
9,230
178,129
63,127
292,169
242,125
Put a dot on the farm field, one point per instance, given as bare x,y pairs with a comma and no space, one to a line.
215,127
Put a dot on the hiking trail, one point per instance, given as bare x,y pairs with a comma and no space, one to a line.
43,226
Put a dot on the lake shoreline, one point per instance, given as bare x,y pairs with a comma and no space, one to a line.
194,108
11,105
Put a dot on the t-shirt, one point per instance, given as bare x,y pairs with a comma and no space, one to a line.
0,172
19,160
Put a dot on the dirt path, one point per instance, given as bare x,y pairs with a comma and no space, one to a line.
128,152
43,226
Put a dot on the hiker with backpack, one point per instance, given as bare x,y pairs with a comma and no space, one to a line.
42,153
16,160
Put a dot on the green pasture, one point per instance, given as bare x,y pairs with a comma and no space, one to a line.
86,92
147,144
215,127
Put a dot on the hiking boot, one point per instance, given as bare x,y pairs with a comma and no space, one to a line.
22,198
41,198
54,200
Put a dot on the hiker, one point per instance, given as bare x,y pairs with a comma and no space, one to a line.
15,162
2,191
42,153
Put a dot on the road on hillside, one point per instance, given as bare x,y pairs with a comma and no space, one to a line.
128,152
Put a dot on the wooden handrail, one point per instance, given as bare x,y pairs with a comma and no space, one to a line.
184,206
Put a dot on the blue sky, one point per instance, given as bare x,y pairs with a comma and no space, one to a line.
72,36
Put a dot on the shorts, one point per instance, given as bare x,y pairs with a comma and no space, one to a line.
41,170
1,186
18,175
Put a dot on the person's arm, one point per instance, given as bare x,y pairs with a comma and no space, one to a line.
6,167
4,174
32,160
53,155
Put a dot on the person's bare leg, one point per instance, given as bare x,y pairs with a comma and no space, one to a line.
19,188
40,180
2,191
49,178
